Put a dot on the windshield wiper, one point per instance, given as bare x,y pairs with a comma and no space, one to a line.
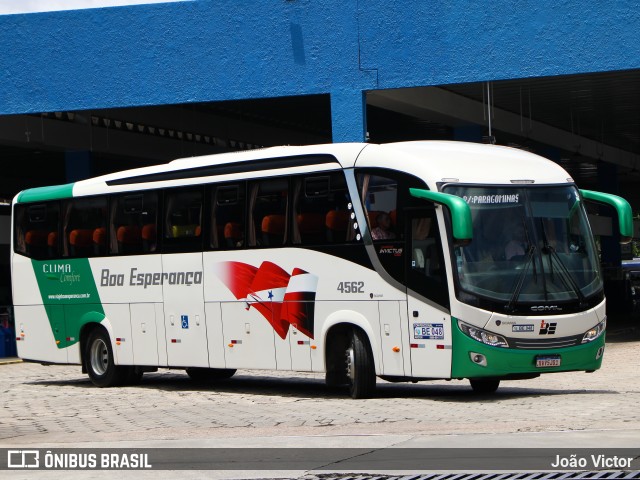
567,278
520,282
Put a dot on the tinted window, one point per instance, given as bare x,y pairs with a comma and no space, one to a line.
268,212
183,220
322,210
134,223
385,196
228,216
84,227
37,230
426,272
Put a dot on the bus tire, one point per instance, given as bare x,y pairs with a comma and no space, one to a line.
484,385
100,361
209,374
359,366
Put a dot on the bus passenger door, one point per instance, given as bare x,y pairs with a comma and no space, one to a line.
184,314
427,297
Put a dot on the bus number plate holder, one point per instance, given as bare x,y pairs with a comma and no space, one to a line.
543,361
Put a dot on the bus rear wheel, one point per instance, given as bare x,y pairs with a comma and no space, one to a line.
361,373
100,361
484,386
209,374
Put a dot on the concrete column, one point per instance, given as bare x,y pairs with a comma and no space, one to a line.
77,165
348,116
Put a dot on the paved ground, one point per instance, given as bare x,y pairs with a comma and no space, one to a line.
57,406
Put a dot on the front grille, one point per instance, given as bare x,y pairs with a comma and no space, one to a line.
543,343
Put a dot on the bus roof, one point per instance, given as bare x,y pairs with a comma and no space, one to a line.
464,162
433,161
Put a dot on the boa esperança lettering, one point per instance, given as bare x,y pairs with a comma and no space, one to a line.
147,279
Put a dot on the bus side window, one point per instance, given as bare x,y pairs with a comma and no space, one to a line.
36,230
268,207
310,196
84,227
134,220
183,220
426,273
227,217
380,201
321,210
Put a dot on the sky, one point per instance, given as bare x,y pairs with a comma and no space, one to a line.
8,7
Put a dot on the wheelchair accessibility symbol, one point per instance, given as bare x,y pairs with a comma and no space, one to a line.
185,321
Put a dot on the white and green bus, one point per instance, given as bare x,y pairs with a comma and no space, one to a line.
408,261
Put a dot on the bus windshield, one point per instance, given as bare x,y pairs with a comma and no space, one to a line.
531,245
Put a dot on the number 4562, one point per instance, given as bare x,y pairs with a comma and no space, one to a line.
351,287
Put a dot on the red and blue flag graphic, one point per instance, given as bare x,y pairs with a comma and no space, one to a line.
283,299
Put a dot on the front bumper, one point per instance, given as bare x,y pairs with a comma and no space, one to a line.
511,362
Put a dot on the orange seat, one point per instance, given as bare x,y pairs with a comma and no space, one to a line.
273,224
36,238
100,236
52,239
81,237
337,223
337,220
232,230
273,229
130,235
233,234
149,237
100,241
149,232
311,223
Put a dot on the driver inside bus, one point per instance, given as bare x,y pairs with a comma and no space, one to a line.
516,246
383,229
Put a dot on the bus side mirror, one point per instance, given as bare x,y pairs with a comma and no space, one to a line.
622,208
461,222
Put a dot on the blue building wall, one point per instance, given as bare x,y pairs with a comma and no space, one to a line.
208,50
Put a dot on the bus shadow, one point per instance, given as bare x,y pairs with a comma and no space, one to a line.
306,388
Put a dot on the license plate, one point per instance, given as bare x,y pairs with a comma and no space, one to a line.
549,361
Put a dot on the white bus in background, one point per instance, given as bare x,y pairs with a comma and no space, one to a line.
407,261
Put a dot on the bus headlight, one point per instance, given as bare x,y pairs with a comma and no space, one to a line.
595,332
482,336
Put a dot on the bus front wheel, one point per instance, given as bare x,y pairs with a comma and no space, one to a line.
484,386
100,362
360,369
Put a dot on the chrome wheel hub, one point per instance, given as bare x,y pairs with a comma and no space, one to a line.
99,356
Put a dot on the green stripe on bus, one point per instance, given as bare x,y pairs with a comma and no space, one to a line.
46,193
70,296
